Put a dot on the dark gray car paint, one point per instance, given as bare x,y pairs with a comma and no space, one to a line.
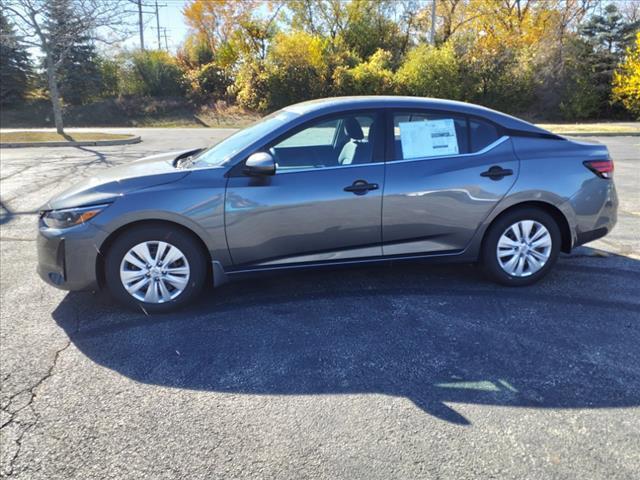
305,215
110,184
436,205
296,219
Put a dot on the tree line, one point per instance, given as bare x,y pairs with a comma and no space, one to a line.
560,59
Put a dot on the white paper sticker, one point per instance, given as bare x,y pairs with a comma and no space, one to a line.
428,138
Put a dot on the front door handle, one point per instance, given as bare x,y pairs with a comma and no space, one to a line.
360,187
497,173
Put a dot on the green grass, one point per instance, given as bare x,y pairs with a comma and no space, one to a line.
591,128
36,137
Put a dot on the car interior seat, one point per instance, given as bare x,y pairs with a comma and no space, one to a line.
357,149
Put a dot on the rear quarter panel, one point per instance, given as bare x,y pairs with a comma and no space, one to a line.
552,172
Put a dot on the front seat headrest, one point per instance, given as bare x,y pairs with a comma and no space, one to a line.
353,129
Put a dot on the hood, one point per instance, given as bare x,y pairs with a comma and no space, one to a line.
109,184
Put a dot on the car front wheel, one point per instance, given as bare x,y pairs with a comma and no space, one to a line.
155,268
521,247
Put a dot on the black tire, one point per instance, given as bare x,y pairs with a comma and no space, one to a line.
489,258
185,242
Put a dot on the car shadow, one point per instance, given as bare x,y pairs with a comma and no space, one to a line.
437,335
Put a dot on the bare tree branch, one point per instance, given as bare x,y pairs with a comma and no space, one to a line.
86,19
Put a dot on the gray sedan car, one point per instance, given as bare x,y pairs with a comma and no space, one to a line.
335,181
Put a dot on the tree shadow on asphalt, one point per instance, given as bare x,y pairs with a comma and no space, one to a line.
436,335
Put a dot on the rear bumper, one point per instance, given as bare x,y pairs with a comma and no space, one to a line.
596,210
67,258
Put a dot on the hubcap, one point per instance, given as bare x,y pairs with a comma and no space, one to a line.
524,248
154,272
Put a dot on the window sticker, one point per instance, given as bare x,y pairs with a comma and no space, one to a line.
428,138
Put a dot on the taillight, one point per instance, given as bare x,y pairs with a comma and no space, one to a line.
602,168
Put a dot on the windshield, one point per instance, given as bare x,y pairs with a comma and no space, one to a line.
221,152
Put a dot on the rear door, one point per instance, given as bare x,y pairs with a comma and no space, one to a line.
324,202
445,174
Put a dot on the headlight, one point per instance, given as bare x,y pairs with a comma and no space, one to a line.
69,217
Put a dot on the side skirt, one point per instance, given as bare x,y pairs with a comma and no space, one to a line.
222,275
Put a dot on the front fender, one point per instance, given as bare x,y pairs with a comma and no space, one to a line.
199,210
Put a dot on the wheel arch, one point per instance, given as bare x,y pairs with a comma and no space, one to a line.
555,212
106,244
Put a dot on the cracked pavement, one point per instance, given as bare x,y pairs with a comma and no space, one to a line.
402,371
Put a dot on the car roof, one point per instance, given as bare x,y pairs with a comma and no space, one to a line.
338,104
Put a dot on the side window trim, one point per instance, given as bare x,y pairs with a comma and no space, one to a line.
322,169
486,149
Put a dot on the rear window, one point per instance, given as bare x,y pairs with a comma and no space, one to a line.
482,134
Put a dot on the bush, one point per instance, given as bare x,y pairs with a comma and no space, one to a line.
496,77
251,87
296,69
152,73
208,82
373,77
429,71
194,53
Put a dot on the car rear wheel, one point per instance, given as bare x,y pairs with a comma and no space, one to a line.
521,247
155,268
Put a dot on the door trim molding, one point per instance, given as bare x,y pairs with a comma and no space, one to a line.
486,149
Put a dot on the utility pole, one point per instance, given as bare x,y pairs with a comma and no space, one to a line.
158,26
166,43
140,24
433,22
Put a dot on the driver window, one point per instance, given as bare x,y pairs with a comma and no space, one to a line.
339,141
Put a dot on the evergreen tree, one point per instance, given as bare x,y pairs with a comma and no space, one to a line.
15,65
607,35
609,32
79,73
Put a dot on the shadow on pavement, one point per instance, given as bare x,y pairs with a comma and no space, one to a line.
432,334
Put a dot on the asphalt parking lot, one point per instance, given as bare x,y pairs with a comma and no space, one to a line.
401,371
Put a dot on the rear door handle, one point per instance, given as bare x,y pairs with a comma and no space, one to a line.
360,187
497,173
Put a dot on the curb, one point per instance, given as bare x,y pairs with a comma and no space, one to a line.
95,143
600,134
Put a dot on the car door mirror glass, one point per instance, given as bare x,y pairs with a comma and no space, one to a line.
260,163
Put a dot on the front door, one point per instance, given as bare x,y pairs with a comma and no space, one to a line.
324,202
446,173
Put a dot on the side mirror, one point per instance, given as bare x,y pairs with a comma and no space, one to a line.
260,163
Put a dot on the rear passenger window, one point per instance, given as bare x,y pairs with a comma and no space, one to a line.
482,134
425,135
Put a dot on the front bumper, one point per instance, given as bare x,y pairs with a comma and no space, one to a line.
67,259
